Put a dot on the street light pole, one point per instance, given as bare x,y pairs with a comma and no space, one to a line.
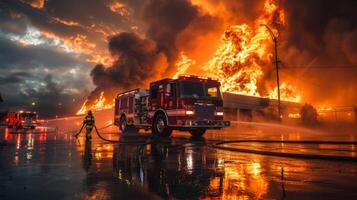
276,61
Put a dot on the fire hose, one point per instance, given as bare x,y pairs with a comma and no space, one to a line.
218,145
108,140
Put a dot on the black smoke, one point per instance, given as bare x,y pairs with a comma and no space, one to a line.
321,39
165,20
137,61
141,59
326,29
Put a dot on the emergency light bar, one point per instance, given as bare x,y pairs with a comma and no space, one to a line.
198,77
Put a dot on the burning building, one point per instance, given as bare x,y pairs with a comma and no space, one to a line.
185,42
249,108
127,44
242,62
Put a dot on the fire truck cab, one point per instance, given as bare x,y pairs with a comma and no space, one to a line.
22,119
188,103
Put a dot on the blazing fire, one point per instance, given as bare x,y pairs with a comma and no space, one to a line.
99,104
240,62
245,50
183,64
287,93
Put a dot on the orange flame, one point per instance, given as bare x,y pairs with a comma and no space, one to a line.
99,104
183,64
238,63
287,93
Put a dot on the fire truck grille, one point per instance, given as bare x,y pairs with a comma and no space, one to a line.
204,112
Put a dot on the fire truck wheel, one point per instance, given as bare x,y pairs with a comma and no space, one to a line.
125,128
160,127
197,132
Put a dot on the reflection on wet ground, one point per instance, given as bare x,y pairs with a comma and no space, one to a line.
48,163
320,149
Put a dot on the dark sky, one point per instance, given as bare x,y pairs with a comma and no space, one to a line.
48,48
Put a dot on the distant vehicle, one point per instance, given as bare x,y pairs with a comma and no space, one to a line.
188,103
22,119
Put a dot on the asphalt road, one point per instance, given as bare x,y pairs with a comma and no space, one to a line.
49,163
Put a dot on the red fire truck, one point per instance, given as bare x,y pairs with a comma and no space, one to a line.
188,103
22,119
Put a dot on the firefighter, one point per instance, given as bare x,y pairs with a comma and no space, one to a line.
89,123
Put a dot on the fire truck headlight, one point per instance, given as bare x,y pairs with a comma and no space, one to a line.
190,112
219,113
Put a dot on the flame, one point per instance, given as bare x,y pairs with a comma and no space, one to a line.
294,115
182,65
99,104
324,108
287,93
239,63
245,50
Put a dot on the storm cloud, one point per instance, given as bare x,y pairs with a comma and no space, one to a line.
54,42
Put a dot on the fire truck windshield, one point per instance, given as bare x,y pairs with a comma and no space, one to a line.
193,89
28,115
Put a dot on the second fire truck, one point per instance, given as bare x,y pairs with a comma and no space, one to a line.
188,103
22,119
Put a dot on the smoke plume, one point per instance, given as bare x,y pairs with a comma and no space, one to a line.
137,61
317,33
140,60
321,37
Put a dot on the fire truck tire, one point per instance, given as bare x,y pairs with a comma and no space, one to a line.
198,132
160,127
125,128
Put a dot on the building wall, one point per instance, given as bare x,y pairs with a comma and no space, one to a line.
339,114
248,108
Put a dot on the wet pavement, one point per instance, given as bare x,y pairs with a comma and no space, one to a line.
49,163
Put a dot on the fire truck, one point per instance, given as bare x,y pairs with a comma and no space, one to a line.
188,103
22,119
